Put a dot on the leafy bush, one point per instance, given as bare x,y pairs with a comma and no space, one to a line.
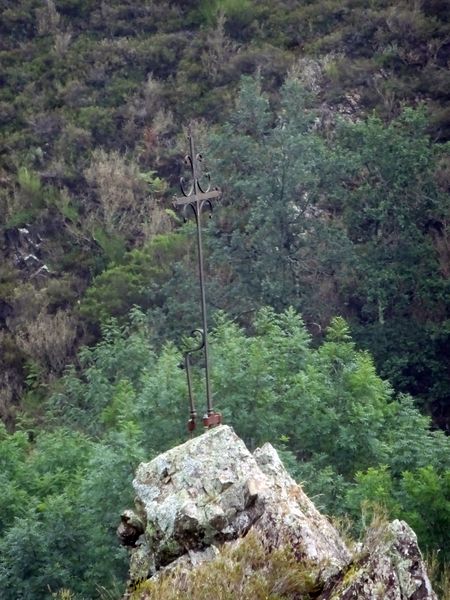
421,497
337,425
60,497
140,280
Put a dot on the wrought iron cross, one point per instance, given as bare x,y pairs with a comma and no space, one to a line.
197,194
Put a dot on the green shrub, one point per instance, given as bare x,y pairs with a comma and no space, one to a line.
138,281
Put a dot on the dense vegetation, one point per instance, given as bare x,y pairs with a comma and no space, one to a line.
338,425
92,105
326,124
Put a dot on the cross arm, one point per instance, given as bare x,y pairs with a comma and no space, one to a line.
199,197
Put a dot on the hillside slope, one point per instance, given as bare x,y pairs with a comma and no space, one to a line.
93,103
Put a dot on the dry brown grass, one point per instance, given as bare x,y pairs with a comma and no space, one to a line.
247,570
439,575
48,339
123,203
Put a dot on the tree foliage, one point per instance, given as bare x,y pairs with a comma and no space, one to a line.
352,221
337,424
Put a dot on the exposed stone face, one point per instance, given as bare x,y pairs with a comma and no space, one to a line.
390,567
130,528
211,491
291,518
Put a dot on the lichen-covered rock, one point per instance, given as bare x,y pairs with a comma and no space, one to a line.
291,518
390,567
212,489
130,528
205,495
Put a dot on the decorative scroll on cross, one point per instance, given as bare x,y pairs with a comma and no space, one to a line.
197,195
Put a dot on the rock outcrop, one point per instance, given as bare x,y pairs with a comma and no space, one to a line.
208,493
389,567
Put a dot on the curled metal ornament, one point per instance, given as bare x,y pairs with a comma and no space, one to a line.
202,175
198,180
187,191
187,363
194,334
197,209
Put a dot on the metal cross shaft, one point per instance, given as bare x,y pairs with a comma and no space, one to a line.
196,197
